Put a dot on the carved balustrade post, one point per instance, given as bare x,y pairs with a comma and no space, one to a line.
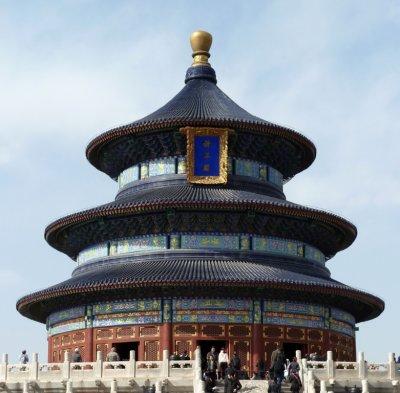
303,370
4,367
323,387
98,372
391,366
66,367
165,373
364,386
114,386
159,385
25,387
68,387
330,365
362,366
132,364
34,367
197,364
310,382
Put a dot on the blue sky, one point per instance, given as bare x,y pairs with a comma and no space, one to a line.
70,70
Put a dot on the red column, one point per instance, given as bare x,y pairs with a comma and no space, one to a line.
257,346
49,350
90,350
166,337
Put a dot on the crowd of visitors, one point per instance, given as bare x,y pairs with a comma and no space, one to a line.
219,367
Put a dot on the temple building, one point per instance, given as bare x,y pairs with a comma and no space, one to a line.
200,246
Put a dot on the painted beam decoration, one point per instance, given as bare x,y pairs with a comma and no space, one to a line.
207,155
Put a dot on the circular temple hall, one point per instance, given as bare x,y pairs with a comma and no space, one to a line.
200,246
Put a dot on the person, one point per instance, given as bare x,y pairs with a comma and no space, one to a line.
272,386
278,366
209,382
76,356
398,359
212,361
173,357
275,354
24,359
222,363
262,368
295,382
293,366
113,356
232,383
236,363
185,356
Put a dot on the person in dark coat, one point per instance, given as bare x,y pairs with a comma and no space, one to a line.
278,368
236,363
272,386
262,368
294,367
76,356
295,382
232,383
212,362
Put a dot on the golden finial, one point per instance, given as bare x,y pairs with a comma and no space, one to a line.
201,44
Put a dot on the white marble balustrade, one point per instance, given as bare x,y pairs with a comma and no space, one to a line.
175,376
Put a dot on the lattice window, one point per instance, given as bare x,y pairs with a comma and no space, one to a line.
315,335
125,332
213,330
273,331
84,352
151,350
78,337
66,340
185,345
185,330
240,331
242,348
149,331
334,339
104,349
269,348
295,333
56,341
102,334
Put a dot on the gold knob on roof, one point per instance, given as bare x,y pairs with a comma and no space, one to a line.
201,43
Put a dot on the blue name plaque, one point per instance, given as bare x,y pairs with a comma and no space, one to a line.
206,155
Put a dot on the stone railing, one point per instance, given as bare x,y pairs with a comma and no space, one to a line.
333,375
170,375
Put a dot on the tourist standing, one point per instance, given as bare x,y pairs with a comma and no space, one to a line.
24,359
223,360
278,367
76,356
295,382
236,363
113,356
262,368
212,362
293,366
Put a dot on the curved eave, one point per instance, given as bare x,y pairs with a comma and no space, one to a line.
127,209
26,305
95,147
